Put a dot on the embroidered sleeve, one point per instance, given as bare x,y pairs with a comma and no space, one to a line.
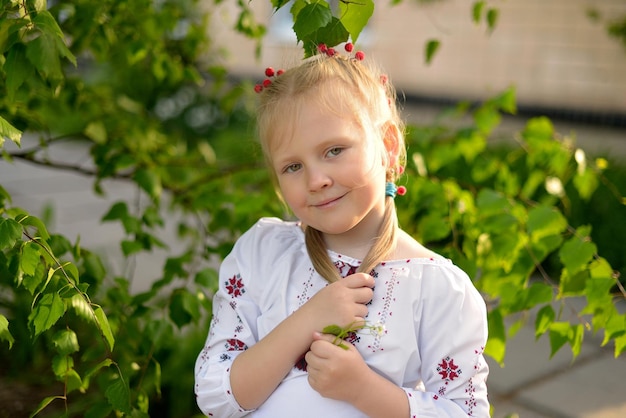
232,331
452,339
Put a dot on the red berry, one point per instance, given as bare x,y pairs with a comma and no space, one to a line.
401,190
330,52
360,55
322,48
384,79
267,82
401,169
258,88
349,46
280,72
269,71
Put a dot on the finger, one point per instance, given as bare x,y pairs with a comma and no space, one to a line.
358,280
363,295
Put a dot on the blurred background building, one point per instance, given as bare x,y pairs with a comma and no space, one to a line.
557,53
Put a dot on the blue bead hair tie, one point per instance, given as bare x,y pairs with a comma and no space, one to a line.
391,189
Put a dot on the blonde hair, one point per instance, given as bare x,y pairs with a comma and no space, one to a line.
372,100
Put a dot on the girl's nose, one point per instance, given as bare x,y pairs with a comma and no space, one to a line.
318,180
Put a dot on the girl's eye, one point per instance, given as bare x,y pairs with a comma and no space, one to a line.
291,168
335,151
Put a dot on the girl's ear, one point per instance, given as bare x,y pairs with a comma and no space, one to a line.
391,136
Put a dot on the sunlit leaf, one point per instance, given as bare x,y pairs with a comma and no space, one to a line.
355,15
559,336
66,342
5,334
545,221
545,318
46,312
496,344
576,253
105,328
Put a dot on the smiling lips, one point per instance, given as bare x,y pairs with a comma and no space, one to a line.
327,203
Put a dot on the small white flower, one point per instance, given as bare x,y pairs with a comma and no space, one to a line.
377,330
581,159
554,186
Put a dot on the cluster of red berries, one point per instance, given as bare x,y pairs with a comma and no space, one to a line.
322,48
269,72
349,46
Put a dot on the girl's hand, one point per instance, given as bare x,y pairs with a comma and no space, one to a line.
336,372
342,302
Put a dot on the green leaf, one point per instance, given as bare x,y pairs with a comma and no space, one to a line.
492,19
310,18
559,336
118,211
43,404
207,277
184,307
506,101
433,227
150,181
66,342
487,118
620,346
586,183
10,232
46,313
17,69
105,328
9,131
34,222
577,252
355,15
496,344
545,318
29,258
576,339
45,22
118,395
432,46
5,334
544,221
477,11
489,201
277,4
538,129
131,247
335,330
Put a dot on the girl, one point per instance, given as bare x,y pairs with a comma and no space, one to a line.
334,143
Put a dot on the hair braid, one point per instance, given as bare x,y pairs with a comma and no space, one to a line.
383,245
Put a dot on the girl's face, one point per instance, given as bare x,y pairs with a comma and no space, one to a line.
331,172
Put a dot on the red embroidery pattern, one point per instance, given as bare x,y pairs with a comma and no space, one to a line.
233,344
234,286
448,370
345,269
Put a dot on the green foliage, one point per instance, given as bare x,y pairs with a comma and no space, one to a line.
503,217
139,84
